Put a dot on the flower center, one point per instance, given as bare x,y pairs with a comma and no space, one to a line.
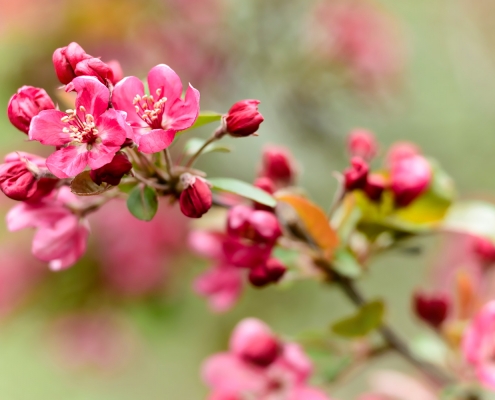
80,131
149,110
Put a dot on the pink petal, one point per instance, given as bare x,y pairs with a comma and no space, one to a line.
307,393
112,128
100,155
62,244
226,373
26,215
295,360
245,331
164,78
155,140
486,375
91,94
68,161
47,128
183,114
206,244
123,96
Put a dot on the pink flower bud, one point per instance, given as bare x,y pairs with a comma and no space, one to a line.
275,269
254,342
196,199
259,277
278,165
65,60
485,249
26,104
410,177
257,225
243,118
401,150
112,172
432,309
94,67
356,175
362,143
17,181
117,72
375,186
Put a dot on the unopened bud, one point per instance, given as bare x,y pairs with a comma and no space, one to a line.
26,104
375,186
356,175
485,249
400,150
94,67
196,198
258,276
276,270
278,165
410,177
112,172
243,118
362,143
65,60
257,225
254,342
432,309
17,181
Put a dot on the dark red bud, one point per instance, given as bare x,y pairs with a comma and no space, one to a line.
259,277
94,67
410,177
196,198
362,143
65,60
275,269
432,309
26,104
375,186
17,181
278,165
112,172
261,351
356,175
243,118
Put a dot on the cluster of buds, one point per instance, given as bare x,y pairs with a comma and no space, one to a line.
115,132
261,366
407,173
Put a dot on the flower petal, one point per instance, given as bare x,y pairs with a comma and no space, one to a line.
155,140
112,128
123,96
91,94
67,162
47,128
183,114
308,393
27,215
164,78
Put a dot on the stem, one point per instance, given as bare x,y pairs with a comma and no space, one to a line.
149,182
168,162
339,195
194,157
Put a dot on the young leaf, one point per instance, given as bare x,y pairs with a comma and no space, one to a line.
83,185
315,221
243,189
368,318
346,264
194,144
142,203
206,117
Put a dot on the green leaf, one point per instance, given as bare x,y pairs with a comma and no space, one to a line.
206,117
368,318
474,217
142,203
83,185
194,144
243,189
346,264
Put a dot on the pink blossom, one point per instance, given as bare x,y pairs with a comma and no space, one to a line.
157,117
61,236
479,347
278,165
410,177
362,143
89,135
231,375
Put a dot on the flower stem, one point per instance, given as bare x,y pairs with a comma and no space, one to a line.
194,157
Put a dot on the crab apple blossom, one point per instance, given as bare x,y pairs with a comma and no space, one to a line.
196,198
65,60
112,172
256,225
278,165
356,175
243,118
26,104
432,308
260,366
410,177
61,236
157,117
479,347
117,72
91,134
362,143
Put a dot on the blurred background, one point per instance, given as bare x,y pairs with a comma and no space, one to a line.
125,323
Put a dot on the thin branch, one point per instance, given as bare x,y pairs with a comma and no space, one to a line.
194,157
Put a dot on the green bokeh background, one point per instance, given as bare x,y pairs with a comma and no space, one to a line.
446,104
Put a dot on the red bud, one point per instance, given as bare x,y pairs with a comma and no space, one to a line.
432,309
356,175
276,270
278,165
94,67
26,104
17,181
257,225
362,143
375,186
112,172
410,177
485,249
196,199
243,118
65,60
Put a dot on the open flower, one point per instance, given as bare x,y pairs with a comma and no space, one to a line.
157,117
89,135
